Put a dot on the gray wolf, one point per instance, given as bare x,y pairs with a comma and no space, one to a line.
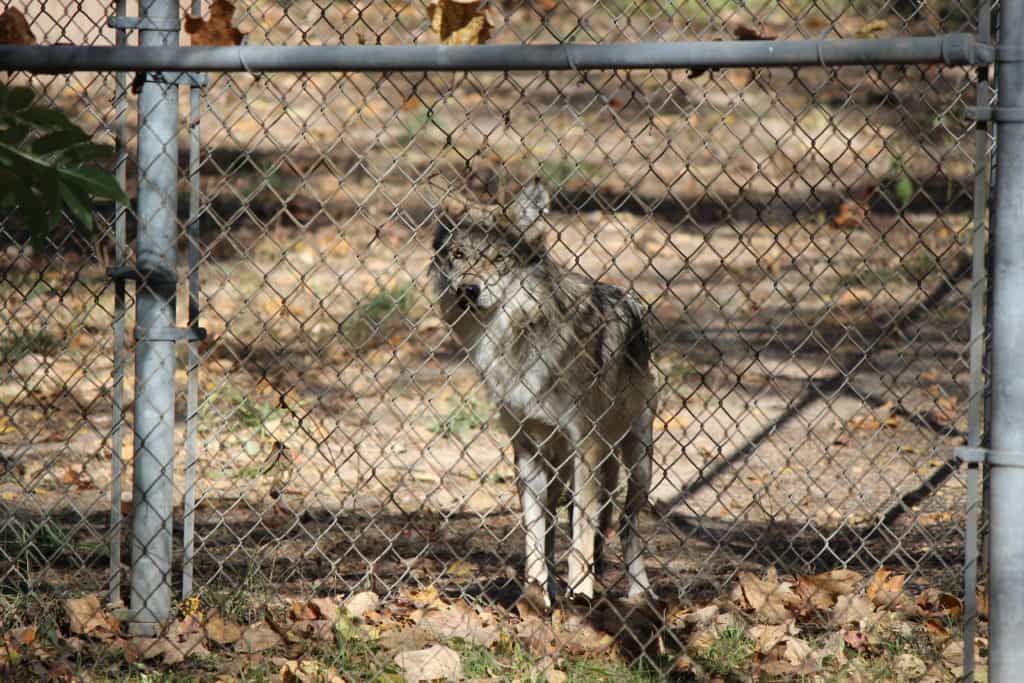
565,359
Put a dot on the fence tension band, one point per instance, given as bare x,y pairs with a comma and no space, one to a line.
191,79
130,273
194,80
997,114
173,334
973,455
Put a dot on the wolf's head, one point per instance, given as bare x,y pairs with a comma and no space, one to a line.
479,248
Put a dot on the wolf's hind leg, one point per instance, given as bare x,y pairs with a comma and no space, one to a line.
637,456
586,509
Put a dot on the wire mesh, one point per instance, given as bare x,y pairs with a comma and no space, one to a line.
800,239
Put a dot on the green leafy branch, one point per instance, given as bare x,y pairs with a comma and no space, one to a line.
44,167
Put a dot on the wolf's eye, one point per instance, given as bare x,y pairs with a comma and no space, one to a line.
458,254
499,257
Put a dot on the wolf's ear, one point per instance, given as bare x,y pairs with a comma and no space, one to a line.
526,210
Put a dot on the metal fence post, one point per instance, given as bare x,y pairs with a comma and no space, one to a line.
1007,477
153,494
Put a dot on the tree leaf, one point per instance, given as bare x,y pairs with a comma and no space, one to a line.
87,151
77,203
32,209
95,182
18,98
59,141
14,135
44,118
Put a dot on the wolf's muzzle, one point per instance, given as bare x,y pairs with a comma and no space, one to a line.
470,293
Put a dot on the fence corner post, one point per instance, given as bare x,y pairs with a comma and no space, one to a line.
1006,551
156,262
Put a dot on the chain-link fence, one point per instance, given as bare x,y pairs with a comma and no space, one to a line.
801,243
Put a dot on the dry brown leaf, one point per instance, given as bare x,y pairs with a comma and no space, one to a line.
217,30
220,631
257,638
872,28
849,217
14,28
749,33
555,676
531,602
307,671
578,637
910,667
885,588
462,22
767,636
936,603
87,617
459,621
853,609
945,411
769,598
359,604
536,635
436,662
77,477
821,590
858,640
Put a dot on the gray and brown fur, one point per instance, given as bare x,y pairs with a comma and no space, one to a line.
566,361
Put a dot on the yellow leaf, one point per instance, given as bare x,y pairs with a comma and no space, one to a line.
461,22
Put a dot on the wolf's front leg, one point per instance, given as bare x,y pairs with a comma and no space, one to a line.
586,511
533,482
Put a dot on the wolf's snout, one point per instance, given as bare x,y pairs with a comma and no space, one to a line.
471,293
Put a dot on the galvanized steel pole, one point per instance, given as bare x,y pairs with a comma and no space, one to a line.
1006,553
153,489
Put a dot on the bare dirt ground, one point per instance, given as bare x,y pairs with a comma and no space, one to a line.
803,244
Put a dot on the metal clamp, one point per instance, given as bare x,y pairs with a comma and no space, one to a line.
973,455
998,114
125,272
137,24
171,334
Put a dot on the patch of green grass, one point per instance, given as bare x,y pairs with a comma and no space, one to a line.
919,265
414,124
464,416
558,172
14,347
378,316
729,654
898,187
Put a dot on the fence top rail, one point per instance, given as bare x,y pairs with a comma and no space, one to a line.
956,49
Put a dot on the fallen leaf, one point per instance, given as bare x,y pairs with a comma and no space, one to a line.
459,621
769,598
853,609
749,33
849,217
872,28
531,602
308,671
935,602
536,635
910,667
14,28
462,22
858,640
257,638
217,30
220,631
87,617
359,604
430,664
555,676
885,588
77,477
767,636
821,590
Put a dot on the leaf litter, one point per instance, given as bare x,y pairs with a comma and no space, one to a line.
817,627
